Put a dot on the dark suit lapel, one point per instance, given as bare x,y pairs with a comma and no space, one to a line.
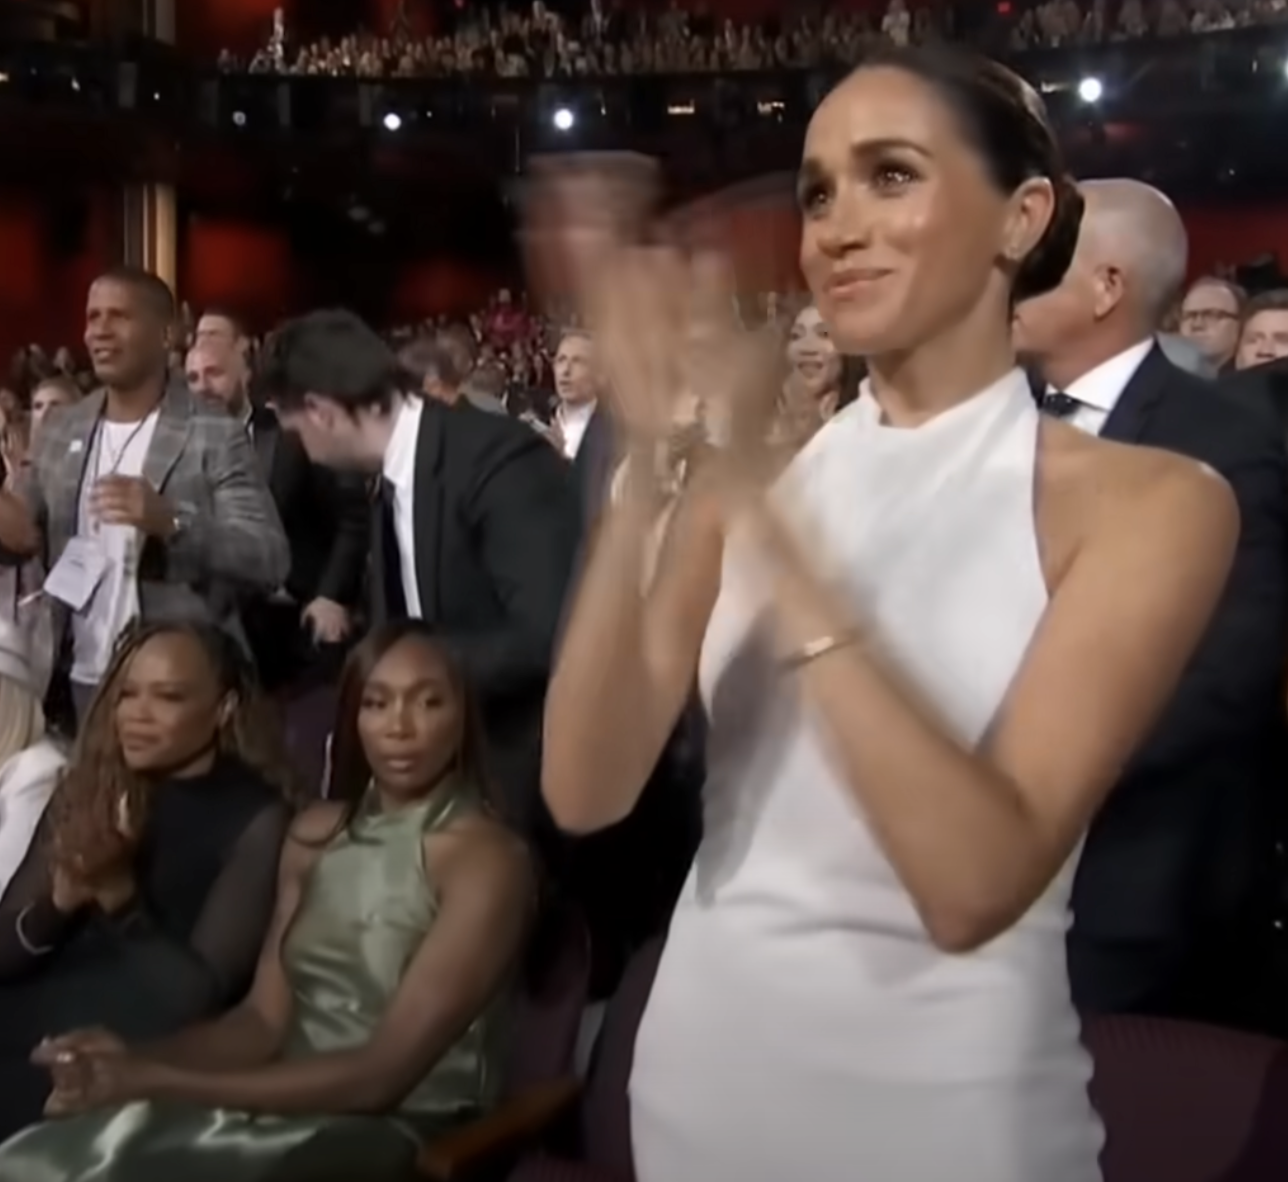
427,499
170,436
1130,417
265,435
377,573
594,464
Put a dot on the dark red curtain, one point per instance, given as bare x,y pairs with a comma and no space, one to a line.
204,27
260,272
53,246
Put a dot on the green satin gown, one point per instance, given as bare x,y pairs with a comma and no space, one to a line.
366,907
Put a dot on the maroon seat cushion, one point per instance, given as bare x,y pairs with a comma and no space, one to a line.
1188,1103
605,1107
551,1001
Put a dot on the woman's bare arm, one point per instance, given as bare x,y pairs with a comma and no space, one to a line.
487,888
629,657
977,836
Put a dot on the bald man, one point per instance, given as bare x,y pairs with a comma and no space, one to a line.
1167,872
217,370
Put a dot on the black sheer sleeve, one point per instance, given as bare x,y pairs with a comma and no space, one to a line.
31,927
183,982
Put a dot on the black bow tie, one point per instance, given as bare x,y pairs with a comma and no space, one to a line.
1059,405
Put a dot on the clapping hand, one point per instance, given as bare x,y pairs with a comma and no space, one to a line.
13,448
131,500
662,318
93,864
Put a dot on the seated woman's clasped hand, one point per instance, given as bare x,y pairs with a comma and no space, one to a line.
91,1069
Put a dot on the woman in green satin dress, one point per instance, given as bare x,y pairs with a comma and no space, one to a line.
377,1011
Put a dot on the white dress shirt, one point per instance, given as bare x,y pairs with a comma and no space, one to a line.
400,470
118,449
572,421
1098,390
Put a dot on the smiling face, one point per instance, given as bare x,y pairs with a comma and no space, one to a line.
127,338
906,233
810,351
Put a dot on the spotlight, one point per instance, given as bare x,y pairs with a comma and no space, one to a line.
392,122
239,118
1090,90
563,119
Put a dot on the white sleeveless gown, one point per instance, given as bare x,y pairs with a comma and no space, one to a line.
802,1027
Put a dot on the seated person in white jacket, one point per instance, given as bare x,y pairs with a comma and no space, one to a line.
30,763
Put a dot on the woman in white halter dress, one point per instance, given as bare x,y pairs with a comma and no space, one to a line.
924,653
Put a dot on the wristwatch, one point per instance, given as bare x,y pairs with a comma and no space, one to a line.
179,522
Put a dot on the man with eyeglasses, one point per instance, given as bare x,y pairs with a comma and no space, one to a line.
1210,316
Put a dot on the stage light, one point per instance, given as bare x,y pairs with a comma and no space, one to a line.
239,118
392,122
1090,90
563,119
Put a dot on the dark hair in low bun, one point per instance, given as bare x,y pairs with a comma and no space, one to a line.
1044,266
1006,120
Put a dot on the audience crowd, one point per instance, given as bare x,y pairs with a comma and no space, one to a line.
537,43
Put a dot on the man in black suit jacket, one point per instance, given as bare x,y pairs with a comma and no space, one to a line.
326,516
1169,862
1263,386
474,531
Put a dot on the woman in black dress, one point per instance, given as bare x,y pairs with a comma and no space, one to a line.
144,898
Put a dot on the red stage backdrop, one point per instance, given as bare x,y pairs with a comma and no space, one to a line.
52,248
251,269
50,251
204,27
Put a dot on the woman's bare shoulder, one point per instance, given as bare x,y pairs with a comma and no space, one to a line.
477,851
1100,495
478,835
312,830
1149,487
1128,483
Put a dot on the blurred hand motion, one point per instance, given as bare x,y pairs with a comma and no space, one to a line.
661,309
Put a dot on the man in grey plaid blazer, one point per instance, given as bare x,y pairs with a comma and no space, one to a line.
206,527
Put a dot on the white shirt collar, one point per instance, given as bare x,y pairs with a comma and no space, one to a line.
573,421
399,466
574,415
1102,386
